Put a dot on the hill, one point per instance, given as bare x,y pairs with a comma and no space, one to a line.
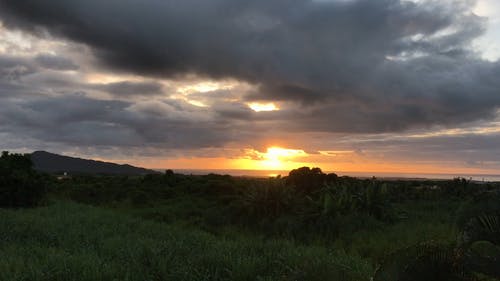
54,163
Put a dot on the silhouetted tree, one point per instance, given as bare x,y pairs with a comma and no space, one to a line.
20,185
306,180
332,178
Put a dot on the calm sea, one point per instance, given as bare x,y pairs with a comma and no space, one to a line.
273,173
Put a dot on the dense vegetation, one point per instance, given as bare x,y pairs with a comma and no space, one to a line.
20,185
305,226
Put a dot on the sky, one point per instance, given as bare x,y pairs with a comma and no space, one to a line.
344,85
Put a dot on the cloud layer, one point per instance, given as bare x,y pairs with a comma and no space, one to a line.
353,67
383,65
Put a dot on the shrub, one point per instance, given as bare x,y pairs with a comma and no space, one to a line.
306,180
20,185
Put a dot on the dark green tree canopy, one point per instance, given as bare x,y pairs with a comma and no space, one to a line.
308,180
20,185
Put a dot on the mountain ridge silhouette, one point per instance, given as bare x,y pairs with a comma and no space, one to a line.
55,163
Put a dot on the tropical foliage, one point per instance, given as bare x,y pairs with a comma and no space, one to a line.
476,256
305,226
20,185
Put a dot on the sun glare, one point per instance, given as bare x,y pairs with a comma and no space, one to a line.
258,107
277,157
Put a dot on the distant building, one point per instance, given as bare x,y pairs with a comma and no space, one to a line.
64,176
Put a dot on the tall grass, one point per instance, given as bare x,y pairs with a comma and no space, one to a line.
67,241
426,221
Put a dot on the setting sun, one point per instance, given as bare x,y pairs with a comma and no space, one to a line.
277,158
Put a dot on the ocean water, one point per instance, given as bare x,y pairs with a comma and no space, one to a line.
273,173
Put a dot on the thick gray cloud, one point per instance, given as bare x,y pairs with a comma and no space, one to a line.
126,88
233,110
82,121
55,62
336,67
12,68
362,65
470,150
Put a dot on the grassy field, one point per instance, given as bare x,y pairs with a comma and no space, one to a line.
306,226
69,241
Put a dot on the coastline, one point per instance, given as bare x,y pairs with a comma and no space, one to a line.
381,175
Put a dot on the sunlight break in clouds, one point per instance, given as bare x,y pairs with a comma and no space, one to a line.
258,107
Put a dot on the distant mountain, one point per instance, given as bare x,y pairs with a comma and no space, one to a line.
53,163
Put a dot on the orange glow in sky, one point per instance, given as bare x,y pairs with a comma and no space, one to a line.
274,158
285,159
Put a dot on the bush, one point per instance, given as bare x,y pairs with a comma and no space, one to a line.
307,180
479,219
20,185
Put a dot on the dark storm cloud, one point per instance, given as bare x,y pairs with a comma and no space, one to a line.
287,92
75,119
55,62
465,148
13,68
357,66
233,110
126,88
